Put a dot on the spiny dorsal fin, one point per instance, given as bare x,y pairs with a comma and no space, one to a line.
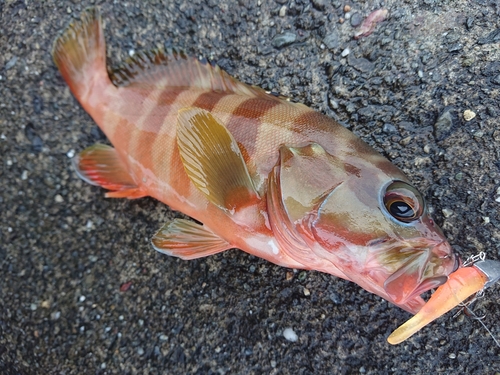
171,68
213,160
187,240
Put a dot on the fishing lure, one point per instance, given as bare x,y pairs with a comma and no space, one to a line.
262,174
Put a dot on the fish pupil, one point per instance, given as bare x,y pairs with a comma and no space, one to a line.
402,210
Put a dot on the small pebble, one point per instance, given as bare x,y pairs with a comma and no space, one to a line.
443,125
447,212
347,8
356,20
452,356
389,128
140,351
345,52
70,153
283,11
125,286
307,292
469,115
55,315
24,175
58,198
33,306
131,52
334,104
486,219
10,63
341,20
285,39
82,298
290,335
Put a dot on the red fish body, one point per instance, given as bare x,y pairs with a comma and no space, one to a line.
273,178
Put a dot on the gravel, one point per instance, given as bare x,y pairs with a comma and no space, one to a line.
144,313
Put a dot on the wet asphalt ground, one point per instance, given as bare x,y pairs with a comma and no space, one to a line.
83,292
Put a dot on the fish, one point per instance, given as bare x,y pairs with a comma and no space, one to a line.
254,170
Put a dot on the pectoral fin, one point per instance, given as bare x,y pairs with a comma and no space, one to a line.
187,240
213,160
100,165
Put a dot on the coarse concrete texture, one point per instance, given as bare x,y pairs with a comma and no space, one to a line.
82,291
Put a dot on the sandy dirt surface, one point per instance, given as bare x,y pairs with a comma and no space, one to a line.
83,292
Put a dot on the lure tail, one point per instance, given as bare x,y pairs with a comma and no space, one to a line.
461,284
80,54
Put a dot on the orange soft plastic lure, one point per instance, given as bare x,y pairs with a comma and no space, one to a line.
461,284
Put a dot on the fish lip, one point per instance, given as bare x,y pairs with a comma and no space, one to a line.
422,254
426,285
436,281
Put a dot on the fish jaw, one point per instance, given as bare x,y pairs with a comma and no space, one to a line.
407,268
421,272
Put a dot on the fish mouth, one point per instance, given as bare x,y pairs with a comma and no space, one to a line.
420,269
428,285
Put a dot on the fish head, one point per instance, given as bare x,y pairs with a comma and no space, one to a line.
361,214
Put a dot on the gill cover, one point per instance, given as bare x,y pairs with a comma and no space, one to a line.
307,175
297,185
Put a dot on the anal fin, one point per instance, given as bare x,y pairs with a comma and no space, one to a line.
188,240
100,165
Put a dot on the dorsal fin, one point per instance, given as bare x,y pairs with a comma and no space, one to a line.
171,68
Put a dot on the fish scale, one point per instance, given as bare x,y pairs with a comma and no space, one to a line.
262,174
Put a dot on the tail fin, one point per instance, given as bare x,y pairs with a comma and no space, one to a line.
80,54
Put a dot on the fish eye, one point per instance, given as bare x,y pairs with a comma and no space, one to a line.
403,202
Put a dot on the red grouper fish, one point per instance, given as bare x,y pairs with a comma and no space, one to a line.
273,178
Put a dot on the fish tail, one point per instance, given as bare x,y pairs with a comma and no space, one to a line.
80,54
